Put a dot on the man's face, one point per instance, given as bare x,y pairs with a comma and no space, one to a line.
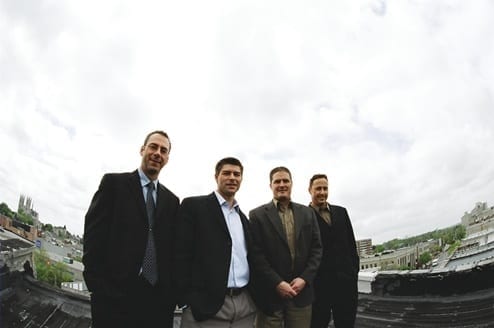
281,185
319,192
228,180
154,155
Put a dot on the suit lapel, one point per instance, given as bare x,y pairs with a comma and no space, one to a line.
274,218
136,190
217,213
298,219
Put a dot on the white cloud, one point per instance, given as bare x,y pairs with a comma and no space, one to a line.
393,100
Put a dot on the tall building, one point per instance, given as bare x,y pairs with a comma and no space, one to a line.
480,219
364,247
26,206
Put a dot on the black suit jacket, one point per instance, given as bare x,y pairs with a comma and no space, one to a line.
271,257
203,254
340,261
115,236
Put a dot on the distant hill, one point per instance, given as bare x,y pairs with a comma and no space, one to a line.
447,235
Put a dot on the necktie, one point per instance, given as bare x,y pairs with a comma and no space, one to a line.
149,266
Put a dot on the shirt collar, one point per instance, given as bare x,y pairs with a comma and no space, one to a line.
145,180
222,201
277,204
326,207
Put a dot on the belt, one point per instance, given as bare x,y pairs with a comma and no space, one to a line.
234,291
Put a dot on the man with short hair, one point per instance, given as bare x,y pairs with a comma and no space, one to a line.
286,254
128,241
212,249
336,281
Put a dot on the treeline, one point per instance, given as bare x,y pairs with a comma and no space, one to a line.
20,216
448,236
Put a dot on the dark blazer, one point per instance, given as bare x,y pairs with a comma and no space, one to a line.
271,258
340,261
203,254
115,235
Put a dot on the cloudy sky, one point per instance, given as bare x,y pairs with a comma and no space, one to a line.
394,100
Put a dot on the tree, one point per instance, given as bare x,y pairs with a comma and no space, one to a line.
379,249
5,210
50,271
48,227
425,258
24,217
449,235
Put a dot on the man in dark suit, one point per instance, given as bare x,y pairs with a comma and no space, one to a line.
336,282
128,244
212,246
286,254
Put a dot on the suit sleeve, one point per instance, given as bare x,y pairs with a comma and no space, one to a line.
184,251
315,251
261,265
352,242
96,229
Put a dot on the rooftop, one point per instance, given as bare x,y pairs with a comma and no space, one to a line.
29,303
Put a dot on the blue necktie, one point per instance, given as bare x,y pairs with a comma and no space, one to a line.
149,266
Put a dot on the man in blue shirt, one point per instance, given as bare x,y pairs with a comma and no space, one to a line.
212,246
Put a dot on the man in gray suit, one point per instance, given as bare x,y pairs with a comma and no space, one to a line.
286,254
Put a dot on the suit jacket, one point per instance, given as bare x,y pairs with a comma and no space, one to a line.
340,261
203,254
115,235
271,257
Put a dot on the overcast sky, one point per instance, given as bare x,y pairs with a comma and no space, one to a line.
393,100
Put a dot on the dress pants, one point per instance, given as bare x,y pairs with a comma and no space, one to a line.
142,306
336,300
290,316
237,312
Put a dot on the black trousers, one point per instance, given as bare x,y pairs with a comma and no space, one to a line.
337,300
142,306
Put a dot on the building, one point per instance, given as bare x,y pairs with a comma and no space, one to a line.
15,251
26,206
419,298
364,247
396,259
19,228
479,219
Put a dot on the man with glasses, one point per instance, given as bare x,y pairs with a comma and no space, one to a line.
128,242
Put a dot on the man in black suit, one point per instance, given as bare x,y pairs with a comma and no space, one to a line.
336,282
212,246
128,244
286,254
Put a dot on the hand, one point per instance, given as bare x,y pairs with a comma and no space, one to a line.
297,284
285,290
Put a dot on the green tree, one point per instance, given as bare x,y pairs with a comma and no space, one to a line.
425,258
5,210
47,227
24,217
379,249
449,235
50,271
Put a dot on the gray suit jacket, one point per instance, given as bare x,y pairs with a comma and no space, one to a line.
271,259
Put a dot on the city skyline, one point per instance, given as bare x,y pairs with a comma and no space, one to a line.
392,100
359,240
